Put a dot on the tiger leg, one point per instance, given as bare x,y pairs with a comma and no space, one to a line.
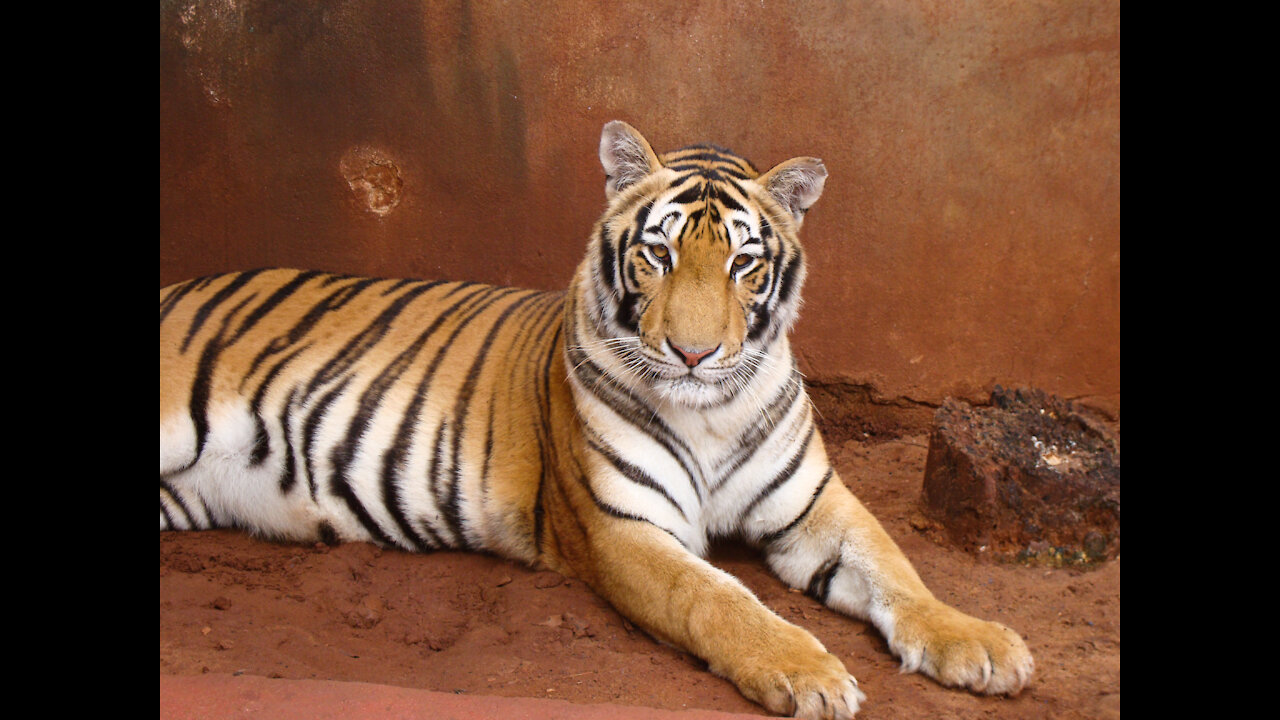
683,600
841,554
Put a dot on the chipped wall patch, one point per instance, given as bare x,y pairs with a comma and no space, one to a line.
374,179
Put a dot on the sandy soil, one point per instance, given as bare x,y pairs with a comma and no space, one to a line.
477,624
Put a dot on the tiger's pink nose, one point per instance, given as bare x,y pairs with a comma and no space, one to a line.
691,357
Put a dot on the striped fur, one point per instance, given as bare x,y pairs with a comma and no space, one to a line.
607,432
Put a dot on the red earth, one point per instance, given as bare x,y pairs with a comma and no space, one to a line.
478,625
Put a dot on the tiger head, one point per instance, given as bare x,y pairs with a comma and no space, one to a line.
694,271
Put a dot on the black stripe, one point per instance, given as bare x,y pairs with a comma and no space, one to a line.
544,403
538,520
820,583
169,303
347,493
434,539
742,193
488,452
714,173
280,295
635,474
171,290
262,444
693,194
695,173
213,522
168,519
437,463
627,316
212,303
198,406
459,287
764,316
787,286
787,473
752,439
364,340
607,265
616,282
288,474
401,283
311,426
728,201
177,501
334,301
789,274
777,534
338,277
620,514
626,405
637,228
721,159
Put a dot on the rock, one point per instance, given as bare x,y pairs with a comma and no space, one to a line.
1031,477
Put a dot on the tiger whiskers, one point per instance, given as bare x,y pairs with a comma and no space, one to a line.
748,389
753,362
619,347
635,370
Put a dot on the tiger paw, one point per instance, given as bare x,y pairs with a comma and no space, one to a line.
962,651
803,681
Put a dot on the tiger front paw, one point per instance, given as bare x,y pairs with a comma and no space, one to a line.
962,651
800,678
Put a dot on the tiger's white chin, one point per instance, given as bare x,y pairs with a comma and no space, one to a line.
690,392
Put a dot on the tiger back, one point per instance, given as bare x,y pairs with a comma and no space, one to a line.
609,432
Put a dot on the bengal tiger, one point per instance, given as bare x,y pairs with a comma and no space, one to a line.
607,432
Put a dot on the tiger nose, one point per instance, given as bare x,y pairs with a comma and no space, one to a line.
691,357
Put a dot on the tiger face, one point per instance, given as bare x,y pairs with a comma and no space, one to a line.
697,269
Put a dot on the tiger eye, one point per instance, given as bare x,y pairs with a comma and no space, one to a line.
659,251
741,260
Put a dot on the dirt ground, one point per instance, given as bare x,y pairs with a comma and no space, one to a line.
477,624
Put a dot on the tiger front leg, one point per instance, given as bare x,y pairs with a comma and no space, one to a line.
839,552
683,600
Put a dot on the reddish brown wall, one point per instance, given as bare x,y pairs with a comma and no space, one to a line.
970,230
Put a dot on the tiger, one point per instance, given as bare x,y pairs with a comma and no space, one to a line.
607,432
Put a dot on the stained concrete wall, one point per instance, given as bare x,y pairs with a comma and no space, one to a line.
969,233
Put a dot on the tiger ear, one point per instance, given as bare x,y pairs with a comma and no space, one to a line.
626,157
796,184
